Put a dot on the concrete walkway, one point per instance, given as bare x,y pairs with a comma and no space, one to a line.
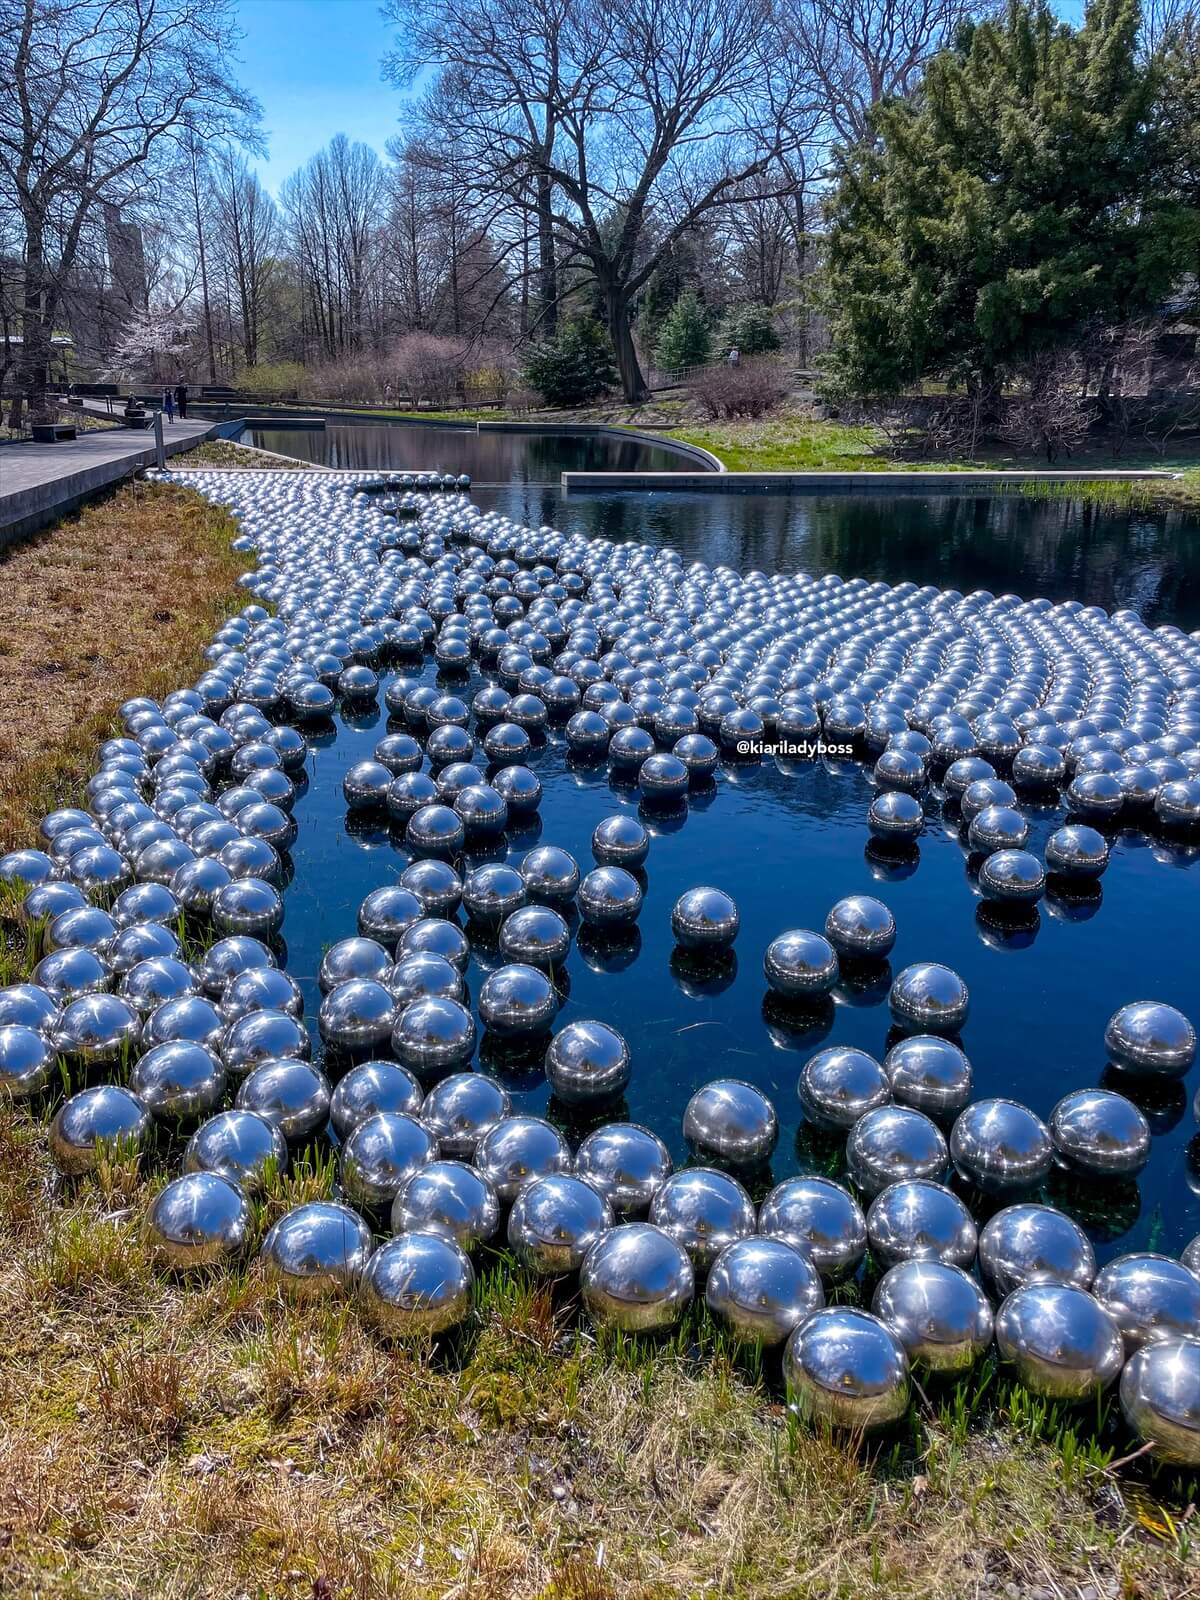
41,482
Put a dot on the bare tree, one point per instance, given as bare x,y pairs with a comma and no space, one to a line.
91,93
248,231
862,51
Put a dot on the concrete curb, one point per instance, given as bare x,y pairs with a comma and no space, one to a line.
843,482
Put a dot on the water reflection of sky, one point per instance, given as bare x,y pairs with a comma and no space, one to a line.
786,841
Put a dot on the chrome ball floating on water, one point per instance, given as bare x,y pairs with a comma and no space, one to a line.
940,1315
1000,1146
1059,1341
917,1220
1100,1134
892,1144
705,919
587,1063
839,1085
1150,1297
1025,1244
800,965
1012,878
821,1218
636,1278
294,1095
762,1289
610,898
448,1198
930,1074
1077,852
620,841
1160,1399
1151,1039
929,998
518,1149
198,1220
627,1164
847,1369
731,1121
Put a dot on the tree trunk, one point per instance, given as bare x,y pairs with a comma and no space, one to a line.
547,266
620,328
35,330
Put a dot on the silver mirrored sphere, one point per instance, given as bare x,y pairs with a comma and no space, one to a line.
929,998
1160,1397
891,1144
1059,1341
198,1220
1100,1134
379,1156
861,927
460,1109
610,897
555,1221
294,1095
761,1289
179,1079
839,1085
636,1278
703,1210
1151,1297
627,1163
930,1074
940,1315
732,1121
1026,1244
417,1284
450,1198
847,1369
433,1036
370,1087
587,1062
1148,1037
921,1221
517,1001
27,1061
238,1145
316,1250
800,965
1000,1146
513,1152
705,919
102,1121
818,1217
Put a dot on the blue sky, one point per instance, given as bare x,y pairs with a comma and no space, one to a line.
314,66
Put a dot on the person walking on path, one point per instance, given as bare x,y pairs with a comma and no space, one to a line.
181,399
168,404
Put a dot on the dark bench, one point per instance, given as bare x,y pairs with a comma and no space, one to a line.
52,432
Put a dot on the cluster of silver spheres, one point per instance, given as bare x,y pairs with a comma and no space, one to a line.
661,669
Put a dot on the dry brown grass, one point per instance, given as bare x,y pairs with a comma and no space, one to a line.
116,601
171,1440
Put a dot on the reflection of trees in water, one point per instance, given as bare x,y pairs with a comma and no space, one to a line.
1063,549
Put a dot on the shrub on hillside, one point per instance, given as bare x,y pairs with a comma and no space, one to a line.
683,340
750,389
573,368
750,330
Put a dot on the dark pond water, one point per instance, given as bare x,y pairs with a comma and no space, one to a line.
491,458
1008,542
787,841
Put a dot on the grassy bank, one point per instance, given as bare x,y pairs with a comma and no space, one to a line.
165,1440
115,601
228,453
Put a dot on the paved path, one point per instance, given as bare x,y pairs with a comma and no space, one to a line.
40,482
